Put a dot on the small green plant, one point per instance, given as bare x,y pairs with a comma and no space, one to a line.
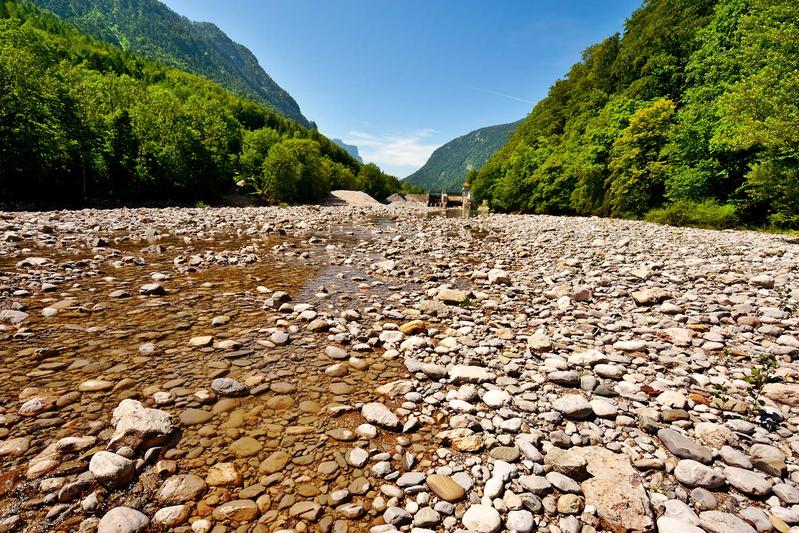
707,214
719,391
762,373
201,205
468,303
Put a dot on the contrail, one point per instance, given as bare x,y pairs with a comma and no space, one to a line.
495,93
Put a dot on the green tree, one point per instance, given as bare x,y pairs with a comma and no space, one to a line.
638,167
280,175
760,112
255,147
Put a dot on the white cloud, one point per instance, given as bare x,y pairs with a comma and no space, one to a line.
394,150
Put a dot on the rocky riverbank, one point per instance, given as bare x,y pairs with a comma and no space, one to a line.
379,369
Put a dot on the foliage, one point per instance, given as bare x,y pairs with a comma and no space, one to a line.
149,28
698,100
707,214
448,166
637,161
82,119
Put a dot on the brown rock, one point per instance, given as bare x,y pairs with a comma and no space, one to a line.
445,488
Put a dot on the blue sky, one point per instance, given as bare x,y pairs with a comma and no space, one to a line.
400,78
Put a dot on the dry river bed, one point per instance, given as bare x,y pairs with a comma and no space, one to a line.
381,369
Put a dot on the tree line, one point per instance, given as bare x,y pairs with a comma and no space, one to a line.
692,116
82,121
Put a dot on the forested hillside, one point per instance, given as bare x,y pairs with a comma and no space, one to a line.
150,29
694,110
448,166
81,120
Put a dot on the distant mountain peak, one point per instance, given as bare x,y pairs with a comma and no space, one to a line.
447,167
350,148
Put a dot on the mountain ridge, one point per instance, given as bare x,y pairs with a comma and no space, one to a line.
153,30
450,163
349,148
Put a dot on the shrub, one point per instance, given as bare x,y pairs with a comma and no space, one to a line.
707,214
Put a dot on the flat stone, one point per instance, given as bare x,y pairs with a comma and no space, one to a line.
193,417
616,491
223,475
276,462
470,374
246,447
768,459
305,510
201,341
452,296
95,385
573,406
410,479
445,488
684,447
237,511
171,517
749,482
505,453
695,474
228,387
782,393
381,416
181,488
646,297
718,522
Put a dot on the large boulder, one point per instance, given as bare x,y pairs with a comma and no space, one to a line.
138,426
782,393
616,491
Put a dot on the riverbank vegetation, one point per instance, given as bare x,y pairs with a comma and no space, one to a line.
82,121
691,116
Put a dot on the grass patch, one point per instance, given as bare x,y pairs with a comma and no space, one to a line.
708,214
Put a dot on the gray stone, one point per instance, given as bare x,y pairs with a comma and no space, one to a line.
718,522
747,481
228,387
573,406
684,447
695,474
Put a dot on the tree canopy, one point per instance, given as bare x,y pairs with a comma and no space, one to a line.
697,101
81,119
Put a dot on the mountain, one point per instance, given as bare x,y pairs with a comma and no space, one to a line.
83,123
149,28
350,148
690,115
448,166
